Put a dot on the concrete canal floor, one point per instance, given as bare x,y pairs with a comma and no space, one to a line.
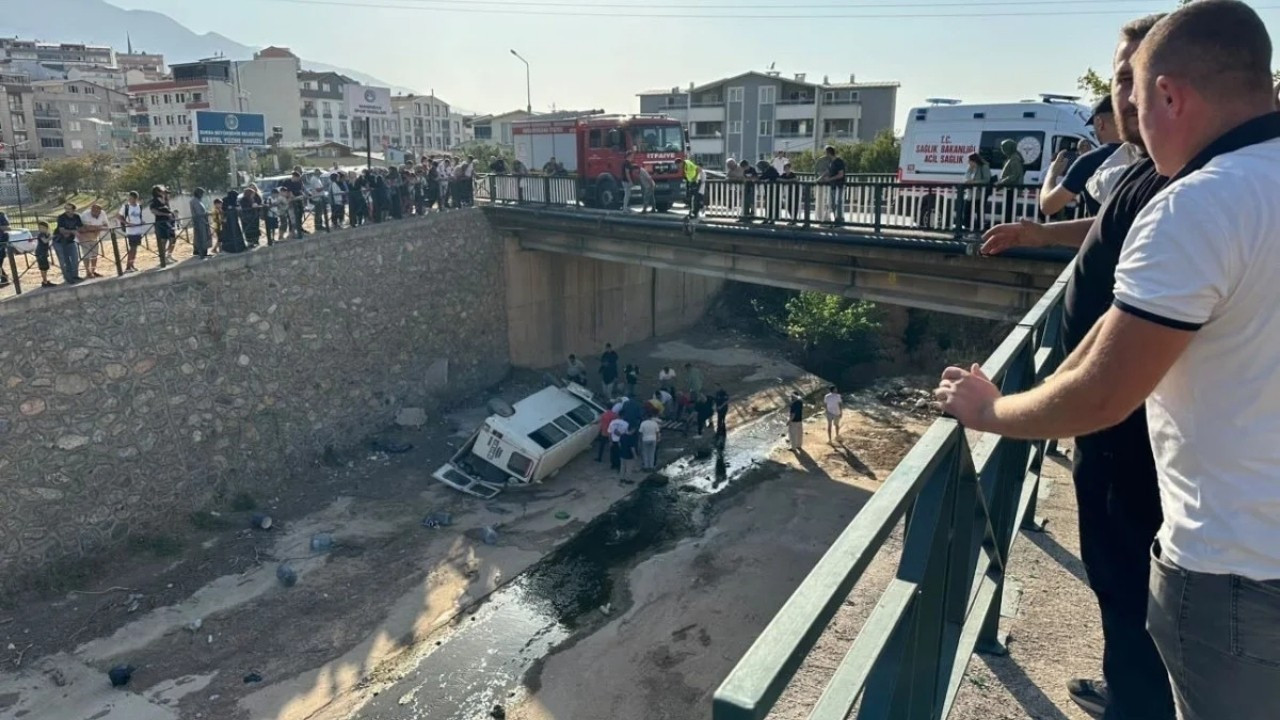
612,599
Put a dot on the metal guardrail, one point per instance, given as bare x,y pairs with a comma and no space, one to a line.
956,211
963,505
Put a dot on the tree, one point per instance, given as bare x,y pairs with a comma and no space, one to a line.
837,326
485,153
152,164
62,178
881,155
275,161
1093,85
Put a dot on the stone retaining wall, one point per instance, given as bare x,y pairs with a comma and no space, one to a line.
127,403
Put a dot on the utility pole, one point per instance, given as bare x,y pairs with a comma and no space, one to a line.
528,86
368,144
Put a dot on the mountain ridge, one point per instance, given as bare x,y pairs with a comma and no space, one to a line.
98,22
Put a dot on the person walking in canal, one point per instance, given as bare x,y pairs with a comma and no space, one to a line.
576,371
834,406
618,429
650,434
703,408
795,424
632,376
1191,329
722,411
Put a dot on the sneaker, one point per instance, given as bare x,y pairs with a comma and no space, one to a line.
130,269
1090,695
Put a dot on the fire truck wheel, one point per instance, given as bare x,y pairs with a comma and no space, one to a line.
608,192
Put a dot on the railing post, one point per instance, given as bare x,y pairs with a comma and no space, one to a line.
115,251
546,190
808,203
879,208
13,267
960,214
493,189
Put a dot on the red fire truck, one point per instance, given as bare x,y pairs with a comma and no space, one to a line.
593,147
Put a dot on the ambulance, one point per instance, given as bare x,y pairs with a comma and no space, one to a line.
940,137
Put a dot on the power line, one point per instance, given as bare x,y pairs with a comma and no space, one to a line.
692,16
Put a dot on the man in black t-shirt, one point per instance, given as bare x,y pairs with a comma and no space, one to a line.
834,176
166,238
795,424
65,246
1053,199
1114,470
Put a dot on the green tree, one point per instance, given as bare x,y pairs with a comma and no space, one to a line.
60,178
267,161
881,155
204,166
485,153
836,326
152,164
1094,86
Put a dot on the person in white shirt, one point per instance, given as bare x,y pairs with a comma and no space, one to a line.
130,217
667,379
780,162
650,433
618,430
834,405
90,238
1194,332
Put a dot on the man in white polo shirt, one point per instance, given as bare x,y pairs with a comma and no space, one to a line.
1195,331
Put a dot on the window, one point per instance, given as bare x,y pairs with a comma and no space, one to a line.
595,139
583,414
735,127
659,138
1029,144
155,120
168,119
519,464
766,128
195,97
93,109
456,128
89,90
77,144
567,424
417,108
155,99
828,97
548,435
768,95
167,99
74,90
73,108
74,125
172,142
51,142
735,94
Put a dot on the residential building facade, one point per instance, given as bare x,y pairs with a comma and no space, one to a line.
496,129
322,107
56,53
151,63
73,117
271,86
17,118
426,124
756,114
165,111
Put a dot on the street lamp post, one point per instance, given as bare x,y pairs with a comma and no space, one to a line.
528,87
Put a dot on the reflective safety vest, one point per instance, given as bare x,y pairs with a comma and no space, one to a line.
690,171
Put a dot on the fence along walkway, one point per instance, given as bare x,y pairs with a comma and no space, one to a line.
963,505
881,206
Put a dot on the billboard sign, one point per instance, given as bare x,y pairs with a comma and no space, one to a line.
228,128
364,101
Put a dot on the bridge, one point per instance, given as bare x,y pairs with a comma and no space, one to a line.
900,244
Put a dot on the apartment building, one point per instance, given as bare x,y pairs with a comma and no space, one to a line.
165,110
17,117
56,53
323,108
73,117
271,86
151,63
755,114
496,129
425,124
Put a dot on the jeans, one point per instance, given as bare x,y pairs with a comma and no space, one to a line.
649,453
1119,510
1220,637
837,202
68,259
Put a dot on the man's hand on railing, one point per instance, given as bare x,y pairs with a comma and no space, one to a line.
1022,234
968,396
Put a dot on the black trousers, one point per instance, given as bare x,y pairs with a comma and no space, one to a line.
1119,506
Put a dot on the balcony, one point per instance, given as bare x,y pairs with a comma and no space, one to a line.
797,101
342,116
791,134
309,112
313,133
707,136
48,114
327,116
841,101
714,102
795,110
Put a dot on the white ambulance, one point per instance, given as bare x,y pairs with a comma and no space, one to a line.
940,138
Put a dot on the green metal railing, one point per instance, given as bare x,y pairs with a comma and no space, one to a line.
963,505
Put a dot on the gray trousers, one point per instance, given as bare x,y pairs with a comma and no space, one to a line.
1219,636
649,454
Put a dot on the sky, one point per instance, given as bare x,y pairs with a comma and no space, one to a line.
599,55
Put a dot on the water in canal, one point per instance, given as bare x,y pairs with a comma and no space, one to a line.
479,663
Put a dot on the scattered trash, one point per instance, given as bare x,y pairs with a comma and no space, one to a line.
260,521
437,519
209,640
606,608
562,515
490,535
120,675
321,542
194,625
395,447
252,677
497,713
287,575
379,457
11,646
411,417
135,602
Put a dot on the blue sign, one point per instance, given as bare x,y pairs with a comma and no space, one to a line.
227,128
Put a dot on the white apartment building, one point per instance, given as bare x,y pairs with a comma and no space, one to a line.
425,125
73,117
271,86
166,110
322,108
756,114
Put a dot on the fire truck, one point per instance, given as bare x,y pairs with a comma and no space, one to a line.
593,147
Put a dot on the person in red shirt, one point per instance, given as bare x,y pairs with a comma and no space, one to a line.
602,440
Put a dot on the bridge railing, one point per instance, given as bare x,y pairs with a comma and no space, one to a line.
961,502
874,204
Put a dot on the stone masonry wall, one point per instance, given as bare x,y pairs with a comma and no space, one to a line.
127,403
